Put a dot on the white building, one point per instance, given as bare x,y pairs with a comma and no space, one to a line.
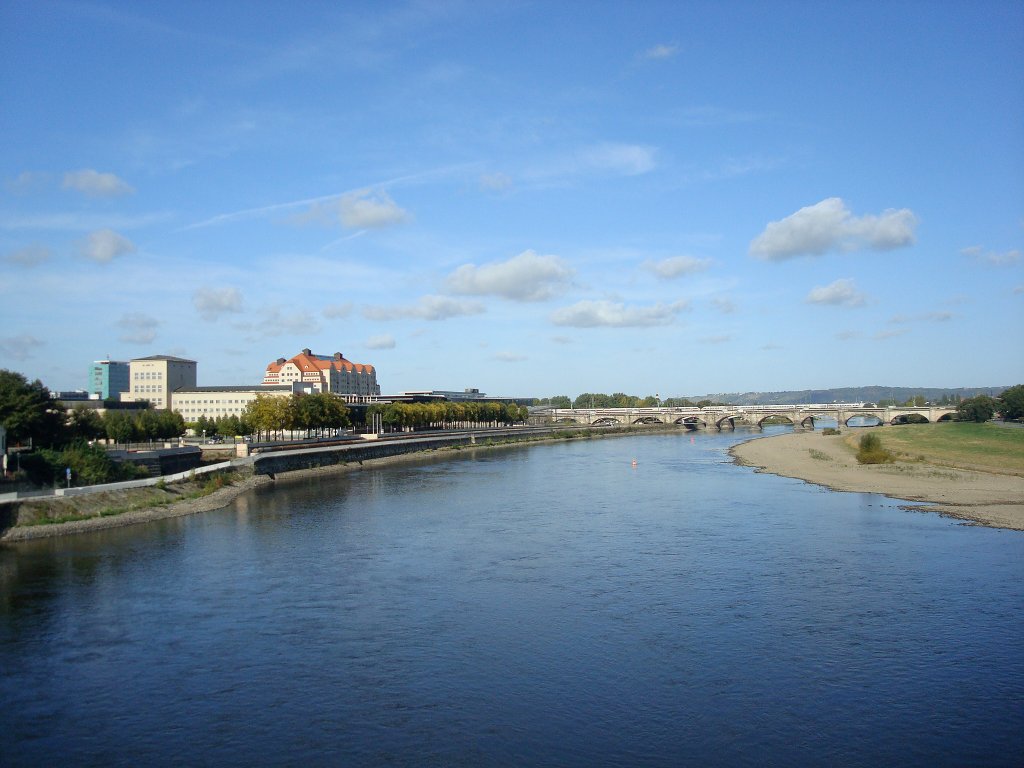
217,402
155,378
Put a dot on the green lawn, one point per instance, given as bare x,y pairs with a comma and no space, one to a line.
971,446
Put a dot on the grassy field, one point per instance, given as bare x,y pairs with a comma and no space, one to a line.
984,447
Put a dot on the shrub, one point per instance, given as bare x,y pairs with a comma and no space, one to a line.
830,431
870,450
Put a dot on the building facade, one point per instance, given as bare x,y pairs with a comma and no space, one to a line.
155,378
217,402
109,378
324,373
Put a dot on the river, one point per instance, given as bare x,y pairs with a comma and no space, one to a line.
543,605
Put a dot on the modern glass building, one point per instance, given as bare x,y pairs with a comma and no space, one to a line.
108,379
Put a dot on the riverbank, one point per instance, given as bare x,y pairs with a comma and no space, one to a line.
984,498
97,517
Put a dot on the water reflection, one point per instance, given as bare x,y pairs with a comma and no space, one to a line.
549,604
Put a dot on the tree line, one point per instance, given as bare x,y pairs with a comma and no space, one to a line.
269,416
446,415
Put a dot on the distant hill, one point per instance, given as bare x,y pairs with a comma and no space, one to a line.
846,395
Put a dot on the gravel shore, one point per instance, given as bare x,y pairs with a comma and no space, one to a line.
980,497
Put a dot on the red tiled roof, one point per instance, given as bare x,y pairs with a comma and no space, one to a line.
310,362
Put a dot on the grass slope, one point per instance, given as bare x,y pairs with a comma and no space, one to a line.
982,447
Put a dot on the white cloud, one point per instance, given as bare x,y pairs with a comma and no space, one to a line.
29,256
20,347
828,226
676,266
96,184
383,341
138,328
624,159
723,305
367,209
526,277
338,311
892,333
930,317
510,357
841,293
27,181
362,209
661,51
105,244
427,308
992,258
211,303
80,221
495,182
595,314
274,322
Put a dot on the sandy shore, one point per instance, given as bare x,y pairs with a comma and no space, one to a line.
980,497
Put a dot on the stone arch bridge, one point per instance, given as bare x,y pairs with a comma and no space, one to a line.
731,416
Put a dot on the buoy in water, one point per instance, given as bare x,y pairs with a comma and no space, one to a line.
634,462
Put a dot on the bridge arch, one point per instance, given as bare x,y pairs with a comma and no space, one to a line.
874,418
789,419
605,421
647,420
691,422
910,418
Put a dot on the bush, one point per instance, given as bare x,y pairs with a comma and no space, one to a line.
90,465
870,450
830,431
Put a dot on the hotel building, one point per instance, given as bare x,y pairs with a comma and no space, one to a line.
324,373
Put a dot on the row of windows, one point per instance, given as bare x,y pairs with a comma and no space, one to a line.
213,402
147,388
187,412
148,375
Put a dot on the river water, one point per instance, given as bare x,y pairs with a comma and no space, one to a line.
542,605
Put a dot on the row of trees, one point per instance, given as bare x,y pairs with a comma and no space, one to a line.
268,415
29,413
1009,405
316,414
446,415
125,426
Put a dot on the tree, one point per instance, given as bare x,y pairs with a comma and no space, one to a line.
1011,402
85,424
977,409
28,411
119,426
558,401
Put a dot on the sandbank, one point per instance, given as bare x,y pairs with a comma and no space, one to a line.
979,497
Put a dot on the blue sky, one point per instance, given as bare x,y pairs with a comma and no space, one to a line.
528,198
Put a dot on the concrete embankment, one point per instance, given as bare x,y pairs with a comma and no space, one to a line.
276,462
21,520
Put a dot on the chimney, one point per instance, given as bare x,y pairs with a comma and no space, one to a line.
280,361
338,356
306,351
